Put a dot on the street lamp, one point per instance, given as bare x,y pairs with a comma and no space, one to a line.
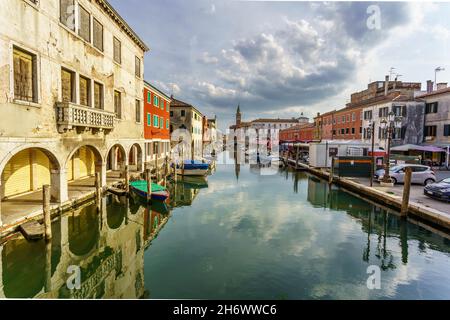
371,131
393,122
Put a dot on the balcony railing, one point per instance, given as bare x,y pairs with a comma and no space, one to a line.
71,115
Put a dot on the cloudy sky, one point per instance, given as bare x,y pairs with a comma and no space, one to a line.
278,59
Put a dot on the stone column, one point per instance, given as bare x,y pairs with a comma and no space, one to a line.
59,188
114,158
101,168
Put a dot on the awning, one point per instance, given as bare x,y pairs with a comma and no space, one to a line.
408,147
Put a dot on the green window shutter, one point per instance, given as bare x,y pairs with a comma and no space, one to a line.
149,97
149,119
155,121
167,124
161,123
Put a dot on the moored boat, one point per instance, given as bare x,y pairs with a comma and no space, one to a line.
192,168
139,187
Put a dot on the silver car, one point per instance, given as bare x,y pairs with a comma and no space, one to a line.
420,174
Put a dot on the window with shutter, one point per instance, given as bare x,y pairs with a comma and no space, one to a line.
67,85
137,67
98,95
98,35
117,50
67,13
24,75
118,104
84,24
447,130
138,111
85,91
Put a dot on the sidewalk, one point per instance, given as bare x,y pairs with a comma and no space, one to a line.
430,210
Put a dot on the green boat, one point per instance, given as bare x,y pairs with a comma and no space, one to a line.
159,193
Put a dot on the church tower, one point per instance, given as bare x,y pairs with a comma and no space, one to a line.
238,116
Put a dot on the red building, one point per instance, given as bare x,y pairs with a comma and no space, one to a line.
347,124
342,124
298,133
156,122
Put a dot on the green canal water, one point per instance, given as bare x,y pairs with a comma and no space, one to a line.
240,235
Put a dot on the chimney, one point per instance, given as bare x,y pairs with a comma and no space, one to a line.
429,86
442,85
395,83
386,85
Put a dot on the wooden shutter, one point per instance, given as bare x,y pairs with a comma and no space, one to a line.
16,176
84,24
117,50
98,95
84,91
67,86
23,75
98,35
42,168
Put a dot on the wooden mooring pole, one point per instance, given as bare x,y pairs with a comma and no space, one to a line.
127,178
148,176
47,215
296,158
98,191
331,176
406,191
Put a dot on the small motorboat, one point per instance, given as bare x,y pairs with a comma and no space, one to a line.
192,168
139,187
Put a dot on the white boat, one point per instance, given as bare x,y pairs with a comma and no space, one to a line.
192,168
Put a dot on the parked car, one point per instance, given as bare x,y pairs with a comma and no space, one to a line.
420,174
439,190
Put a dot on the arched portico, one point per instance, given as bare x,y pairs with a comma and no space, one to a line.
83,162
135,158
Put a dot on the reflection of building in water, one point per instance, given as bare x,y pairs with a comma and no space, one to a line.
376,222
182,194
107,248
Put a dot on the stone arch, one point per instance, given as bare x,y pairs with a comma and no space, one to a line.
35,161
116,158
135,157
91,161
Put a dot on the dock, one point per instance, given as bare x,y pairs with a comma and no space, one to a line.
430,215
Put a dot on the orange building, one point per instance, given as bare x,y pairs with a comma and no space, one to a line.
156,122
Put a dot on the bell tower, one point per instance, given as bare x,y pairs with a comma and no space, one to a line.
238,116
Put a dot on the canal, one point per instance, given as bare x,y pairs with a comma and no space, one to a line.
242,234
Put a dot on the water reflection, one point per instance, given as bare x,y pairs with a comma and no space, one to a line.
285,235
108,247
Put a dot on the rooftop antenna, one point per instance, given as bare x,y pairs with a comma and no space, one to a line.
435,72
391,71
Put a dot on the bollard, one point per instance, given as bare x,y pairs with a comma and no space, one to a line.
149,184
47,216
296,159
127,178
406,191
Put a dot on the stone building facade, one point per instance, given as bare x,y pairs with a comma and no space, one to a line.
71,90
186,123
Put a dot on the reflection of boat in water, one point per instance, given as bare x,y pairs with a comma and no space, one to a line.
192,168
139,187
194,182
157,206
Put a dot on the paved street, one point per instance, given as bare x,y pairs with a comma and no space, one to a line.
416,194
